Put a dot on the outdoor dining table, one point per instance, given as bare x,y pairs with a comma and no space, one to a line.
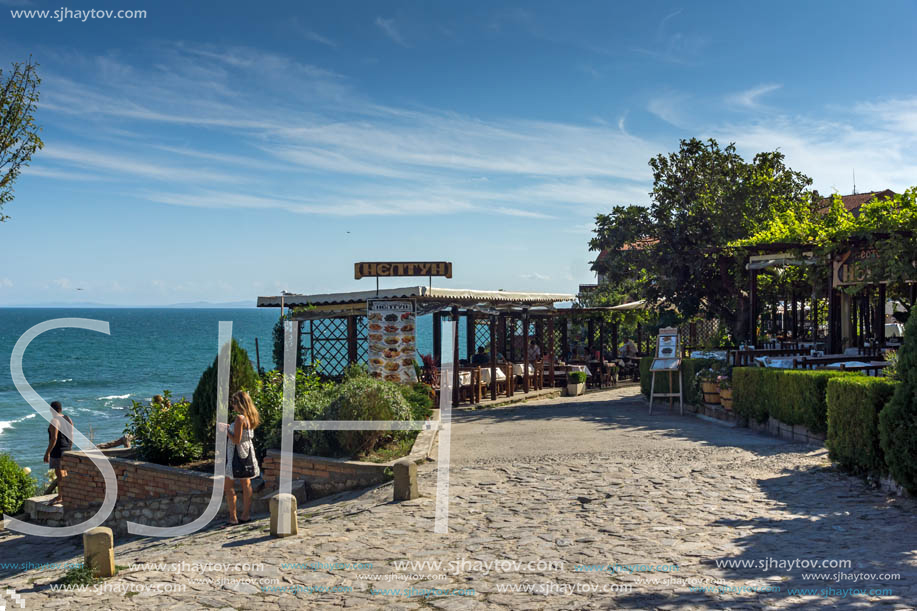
485,375
561,369
519,369
785,362
719,355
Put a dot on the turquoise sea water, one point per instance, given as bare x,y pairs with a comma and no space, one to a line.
96,376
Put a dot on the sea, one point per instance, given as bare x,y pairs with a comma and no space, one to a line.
97,376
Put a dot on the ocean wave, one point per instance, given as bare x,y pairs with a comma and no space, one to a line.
6,424
112,397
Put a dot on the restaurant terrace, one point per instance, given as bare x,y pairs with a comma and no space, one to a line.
334,330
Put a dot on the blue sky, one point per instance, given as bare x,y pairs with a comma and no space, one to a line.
220,154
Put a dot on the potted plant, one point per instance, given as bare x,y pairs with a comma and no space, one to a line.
725,388
708,384
576,383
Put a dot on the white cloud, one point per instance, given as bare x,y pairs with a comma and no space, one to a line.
534,276
750,97
6,283
388,28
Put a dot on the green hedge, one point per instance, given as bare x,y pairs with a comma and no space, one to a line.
789,395
689,368
898,421
854,404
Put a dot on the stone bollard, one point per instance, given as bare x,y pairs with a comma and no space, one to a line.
283,515
99,552
405,480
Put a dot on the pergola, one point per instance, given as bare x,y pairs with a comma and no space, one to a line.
333,326
851,318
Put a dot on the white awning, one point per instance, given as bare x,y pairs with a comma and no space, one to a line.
421,293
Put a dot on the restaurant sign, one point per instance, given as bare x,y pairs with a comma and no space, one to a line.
379,269
392,339
852,267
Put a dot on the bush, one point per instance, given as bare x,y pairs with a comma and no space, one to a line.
420,399
854,404
689,369
576,377
898,421
15,485
365,398
311,401
162,431
204,401
789,395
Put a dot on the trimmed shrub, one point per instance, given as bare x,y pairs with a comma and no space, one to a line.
15,485
898,421
790,395
689,369
204,400
365,398
162,431
754,389
854,404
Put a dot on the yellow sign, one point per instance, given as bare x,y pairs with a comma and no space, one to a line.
380,269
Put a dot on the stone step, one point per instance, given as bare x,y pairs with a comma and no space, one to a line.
39,507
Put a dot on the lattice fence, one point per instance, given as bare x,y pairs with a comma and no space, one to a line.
326,345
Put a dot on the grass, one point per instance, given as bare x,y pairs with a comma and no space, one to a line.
81,576
393,449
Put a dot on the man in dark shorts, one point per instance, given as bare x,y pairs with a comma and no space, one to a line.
59,441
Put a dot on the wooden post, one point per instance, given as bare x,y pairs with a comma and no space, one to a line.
525,350
455,358
614,340
351,339
564,338
639,338
501,332
590,343
880,317
601,350
493,357
553,355
470,348
437,337
753,307
795,320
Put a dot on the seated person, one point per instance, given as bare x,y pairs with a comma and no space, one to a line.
534,351
629,349
481,358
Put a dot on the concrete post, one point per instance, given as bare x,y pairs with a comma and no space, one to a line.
283,515
405,480
99,552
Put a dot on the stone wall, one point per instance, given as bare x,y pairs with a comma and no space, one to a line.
164,511
324,476
137,480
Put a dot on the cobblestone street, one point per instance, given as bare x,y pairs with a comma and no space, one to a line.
589,494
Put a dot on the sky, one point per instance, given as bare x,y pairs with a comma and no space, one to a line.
239,150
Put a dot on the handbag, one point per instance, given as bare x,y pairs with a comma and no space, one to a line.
243,468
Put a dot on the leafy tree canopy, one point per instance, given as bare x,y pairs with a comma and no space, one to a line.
704,199
18,131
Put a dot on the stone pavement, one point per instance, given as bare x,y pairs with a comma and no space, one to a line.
592,491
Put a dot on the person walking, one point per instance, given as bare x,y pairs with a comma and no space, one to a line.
60,433
241,463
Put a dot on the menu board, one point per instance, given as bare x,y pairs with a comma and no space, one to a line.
667,358
391,335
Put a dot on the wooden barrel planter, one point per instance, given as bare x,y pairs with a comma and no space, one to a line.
711,392
726,398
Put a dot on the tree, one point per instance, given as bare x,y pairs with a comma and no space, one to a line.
704,199
18,131
203,408
278,337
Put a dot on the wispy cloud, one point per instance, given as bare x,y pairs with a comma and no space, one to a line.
312,35
674,47
750,97
389,29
